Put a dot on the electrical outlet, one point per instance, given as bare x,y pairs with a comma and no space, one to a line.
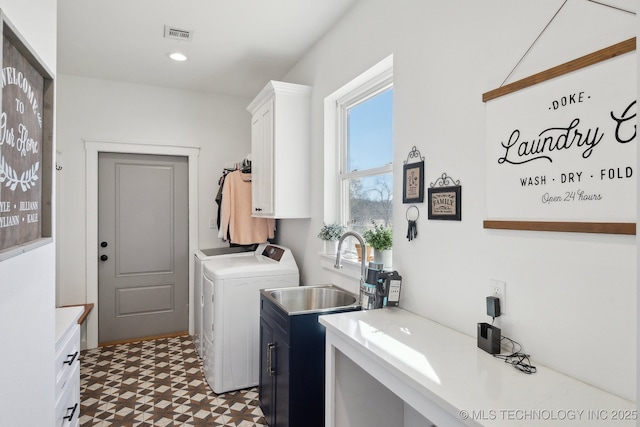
213,223
498,289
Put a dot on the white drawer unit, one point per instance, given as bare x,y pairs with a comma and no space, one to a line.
68,402
67,367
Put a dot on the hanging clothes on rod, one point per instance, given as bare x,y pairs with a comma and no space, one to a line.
245,167
236,221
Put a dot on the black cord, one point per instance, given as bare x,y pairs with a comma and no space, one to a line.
517,359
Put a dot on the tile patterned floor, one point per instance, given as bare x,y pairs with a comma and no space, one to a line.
157,383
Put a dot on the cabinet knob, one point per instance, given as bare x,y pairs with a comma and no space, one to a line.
103,244
104,258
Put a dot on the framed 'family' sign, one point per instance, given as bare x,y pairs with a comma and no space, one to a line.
445,203
26,137
561,147
445,199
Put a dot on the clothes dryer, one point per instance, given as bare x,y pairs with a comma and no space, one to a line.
231,316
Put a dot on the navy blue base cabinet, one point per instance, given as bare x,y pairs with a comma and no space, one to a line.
291,390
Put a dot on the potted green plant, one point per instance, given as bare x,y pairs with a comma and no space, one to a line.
381,240
331,233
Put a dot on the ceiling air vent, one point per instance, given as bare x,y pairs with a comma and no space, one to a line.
177,34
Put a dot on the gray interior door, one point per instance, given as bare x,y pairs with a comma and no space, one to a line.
143,270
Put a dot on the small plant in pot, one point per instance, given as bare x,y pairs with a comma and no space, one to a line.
331,233
381,240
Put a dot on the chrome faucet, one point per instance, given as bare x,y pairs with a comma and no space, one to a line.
363,266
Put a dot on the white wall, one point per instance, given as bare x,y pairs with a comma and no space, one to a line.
571,297
27,282
117,112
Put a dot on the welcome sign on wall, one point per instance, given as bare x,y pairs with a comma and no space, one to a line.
561,147
25,146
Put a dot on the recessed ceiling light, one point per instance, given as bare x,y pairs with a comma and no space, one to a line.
177,56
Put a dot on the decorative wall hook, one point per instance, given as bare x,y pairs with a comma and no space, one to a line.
414,154
445,181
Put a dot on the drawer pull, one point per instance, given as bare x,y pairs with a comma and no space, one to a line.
73,411
270,368
70,361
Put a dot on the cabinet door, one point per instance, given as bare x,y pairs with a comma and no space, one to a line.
262,160
266,391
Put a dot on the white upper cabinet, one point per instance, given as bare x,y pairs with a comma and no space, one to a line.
280,143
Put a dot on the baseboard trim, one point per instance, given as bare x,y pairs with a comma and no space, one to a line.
154,337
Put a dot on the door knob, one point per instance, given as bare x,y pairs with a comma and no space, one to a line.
104,258
103,244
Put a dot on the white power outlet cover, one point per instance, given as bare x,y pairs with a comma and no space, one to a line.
498,289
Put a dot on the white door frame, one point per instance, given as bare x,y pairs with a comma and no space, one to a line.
92,149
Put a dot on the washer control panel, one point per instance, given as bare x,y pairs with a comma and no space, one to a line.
273,252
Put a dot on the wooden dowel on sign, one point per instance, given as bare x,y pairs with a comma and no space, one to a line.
628,228
568,67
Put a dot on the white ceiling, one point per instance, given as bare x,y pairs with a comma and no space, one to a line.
237,45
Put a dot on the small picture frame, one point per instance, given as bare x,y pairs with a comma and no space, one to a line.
413,182
445,203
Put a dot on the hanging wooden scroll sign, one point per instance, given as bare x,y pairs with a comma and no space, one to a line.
561,147
25,146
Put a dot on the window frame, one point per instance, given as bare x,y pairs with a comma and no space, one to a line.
357,96
370,83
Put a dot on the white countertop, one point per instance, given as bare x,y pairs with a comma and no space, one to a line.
448,368
66,318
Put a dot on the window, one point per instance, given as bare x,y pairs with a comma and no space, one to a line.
365,141
358,154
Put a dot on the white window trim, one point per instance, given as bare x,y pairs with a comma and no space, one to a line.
360,88
355,97
357,90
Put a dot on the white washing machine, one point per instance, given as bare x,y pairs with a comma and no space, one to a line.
231,316
201,256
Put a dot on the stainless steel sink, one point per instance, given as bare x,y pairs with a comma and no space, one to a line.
312,299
